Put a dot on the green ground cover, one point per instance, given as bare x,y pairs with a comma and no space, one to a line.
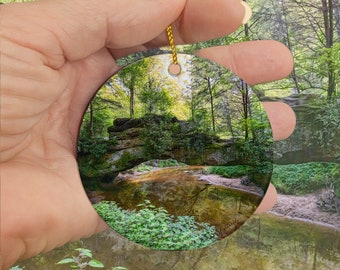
156,228
298,179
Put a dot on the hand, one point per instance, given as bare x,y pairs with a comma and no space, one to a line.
54,57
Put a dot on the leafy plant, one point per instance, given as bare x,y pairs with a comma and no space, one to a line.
144,168
168,163
229,171
82,260
96,147
156,228
157,163
304,178
327,135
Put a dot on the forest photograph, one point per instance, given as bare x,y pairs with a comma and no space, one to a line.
192,145
177,165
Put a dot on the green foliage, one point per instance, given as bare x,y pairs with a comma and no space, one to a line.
255,153
158,163
207,100
125,160
16,268
100,112
329,63
229,171
200,119
158,136
96,147
198,141
328,135
330,116
168,163
144,168
156,98
256,150
298,179
92,153
82,260
155,228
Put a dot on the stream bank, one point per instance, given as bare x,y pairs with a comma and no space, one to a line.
305,208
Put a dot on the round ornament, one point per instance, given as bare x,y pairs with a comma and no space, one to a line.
175,155
175,162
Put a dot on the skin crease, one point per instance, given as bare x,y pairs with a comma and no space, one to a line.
55,54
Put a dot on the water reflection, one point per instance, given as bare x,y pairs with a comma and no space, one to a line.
265,242
185,192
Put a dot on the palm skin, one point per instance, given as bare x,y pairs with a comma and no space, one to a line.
54,57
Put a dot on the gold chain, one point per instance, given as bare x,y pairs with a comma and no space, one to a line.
172,44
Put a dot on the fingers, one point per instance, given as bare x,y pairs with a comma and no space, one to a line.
268,201
203,20
190,19
255,62
79,28
282,119
195,24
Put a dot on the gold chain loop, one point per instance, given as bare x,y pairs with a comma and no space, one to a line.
172,44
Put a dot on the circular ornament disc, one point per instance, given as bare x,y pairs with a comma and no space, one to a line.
175,162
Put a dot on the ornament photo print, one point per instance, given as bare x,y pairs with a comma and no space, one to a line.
175,160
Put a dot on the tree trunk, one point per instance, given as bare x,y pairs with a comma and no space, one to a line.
290,46
227,114
327,11
245,98
91,120
336,7
212,105
132,103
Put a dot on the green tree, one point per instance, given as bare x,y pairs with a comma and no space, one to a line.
133,77
210,83
155,97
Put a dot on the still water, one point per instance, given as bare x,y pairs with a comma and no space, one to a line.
183,191
265,242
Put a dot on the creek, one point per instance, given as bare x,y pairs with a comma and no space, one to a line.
184,191
264,242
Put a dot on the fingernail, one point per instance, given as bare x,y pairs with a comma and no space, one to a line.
248,12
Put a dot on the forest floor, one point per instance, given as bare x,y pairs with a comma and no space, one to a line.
305,208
